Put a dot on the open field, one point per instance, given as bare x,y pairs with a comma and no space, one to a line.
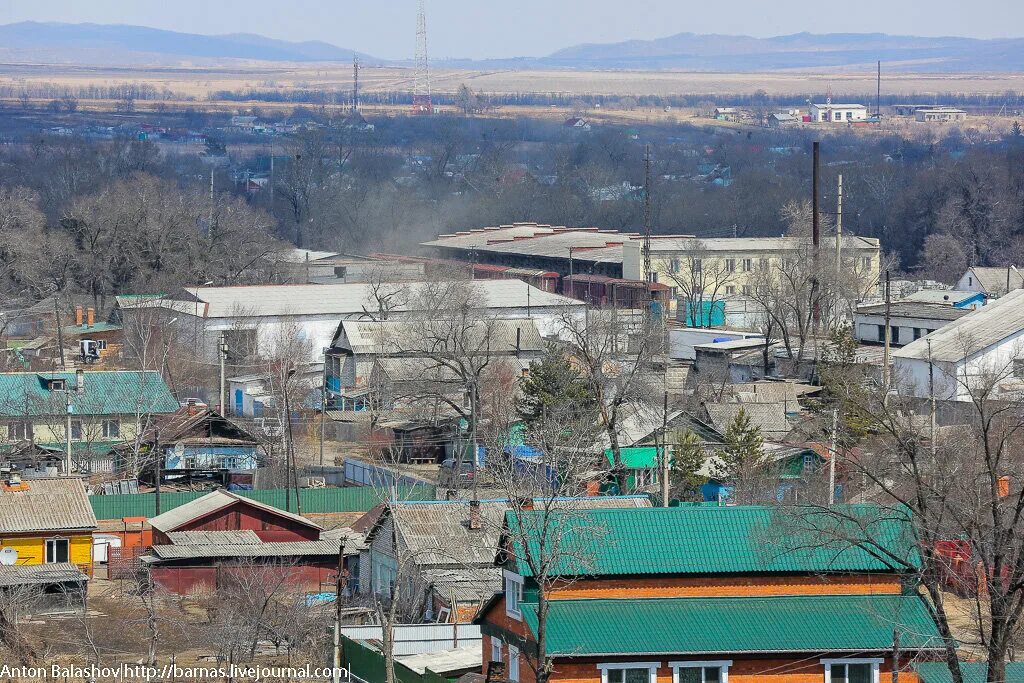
200,82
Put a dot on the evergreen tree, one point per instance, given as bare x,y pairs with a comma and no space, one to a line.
688,457
556,388
741,452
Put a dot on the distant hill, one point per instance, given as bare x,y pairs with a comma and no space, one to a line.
122,44
837,51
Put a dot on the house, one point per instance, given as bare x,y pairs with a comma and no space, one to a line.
195,545
730,362
257,316
700,594
973,672
250,395
577,123
46,521
908,321
985,343
101,408
780,119
991,281
939,115
950,297
445,550
772,418
727,114
790,468
197,443
838,113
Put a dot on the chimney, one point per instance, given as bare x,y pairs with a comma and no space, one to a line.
78,316
524,503
474,515
91,316
1003,486
193,409
79,381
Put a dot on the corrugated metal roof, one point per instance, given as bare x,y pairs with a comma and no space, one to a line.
769,417
412,337
715,540
273,549
752,244
49,504
106,392
973,672
211,502
444,662
705,626
347,299
474,585
40,574
213,537
972,333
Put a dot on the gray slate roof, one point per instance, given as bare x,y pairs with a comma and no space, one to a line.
211,502
770,417
49,504
40,574
414,337
213,537
993,280
916,309
471,584
972,333
273,549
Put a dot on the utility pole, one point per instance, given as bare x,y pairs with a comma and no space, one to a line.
815,231
834,450
157,474
888,340
323,412
878,93
839,228
339,588
931,400
666,464
355,83
209,226
60,333
222,351
648,277
896,654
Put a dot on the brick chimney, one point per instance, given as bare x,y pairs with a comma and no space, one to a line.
474,515
90,315
78,316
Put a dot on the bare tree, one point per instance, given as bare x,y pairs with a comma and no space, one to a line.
700,278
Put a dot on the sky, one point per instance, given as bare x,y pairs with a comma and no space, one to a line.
487,28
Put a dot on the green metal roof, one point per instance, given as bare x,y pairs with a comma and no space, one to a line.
106,392
84,331
685,626
636,457
713,540
973,672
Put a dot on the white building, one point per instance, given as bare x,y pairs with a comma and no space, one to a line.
908,321
940,114
985,342
256,318
838,113
991,281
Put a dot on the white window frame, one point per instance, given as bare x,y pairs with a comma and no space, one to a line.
873,661
652,669
54,541
496,649
513,663
107,431
517,580
722,664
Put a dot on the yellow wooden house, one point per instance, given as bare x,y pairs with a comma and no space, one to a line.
46,521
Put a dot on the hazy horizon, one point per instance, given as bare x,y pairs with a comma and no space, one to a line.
480,30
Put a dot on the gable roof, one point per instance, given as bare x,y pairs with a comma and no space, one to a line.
106,392
412,337
769,417
974,332
48,504
973,672
40,574
921,310
714,540
212,502
706,626
993,280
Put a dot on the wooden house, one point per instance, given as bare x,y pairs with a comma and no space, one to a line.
708,595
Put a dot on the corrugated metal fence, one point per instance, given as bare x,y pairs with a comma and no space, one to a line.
353,499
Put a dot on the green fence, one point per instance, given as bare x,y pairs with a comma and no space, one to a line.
353,499
368,665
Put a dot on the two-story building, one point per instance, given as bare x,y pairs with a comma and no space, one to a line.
93,411
707,594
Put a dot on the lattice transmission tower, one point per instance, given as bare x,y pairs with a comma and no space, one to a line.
421,103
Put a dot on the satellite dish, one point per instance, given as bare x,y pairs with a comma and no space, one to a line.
8,556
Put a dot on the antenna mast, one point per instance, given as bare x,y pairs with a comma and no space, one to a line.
421,103
647,214
355,83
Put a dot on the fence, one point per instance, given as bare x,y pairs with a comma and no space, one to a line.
362,473
314,501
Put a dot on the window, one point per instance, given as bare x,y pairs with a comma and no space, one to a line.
674,265
629,672
513,663
1018,369
729,289
76,430
851,670
674,292
111,429
701,672
747,290
101,344
340,271
730,265
57,550
970,281
697,265
865,263
495,649
385,574
57,385
894,335
917,333
644,477
881,333
763,265
229,462
19,431
748,265
513,594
